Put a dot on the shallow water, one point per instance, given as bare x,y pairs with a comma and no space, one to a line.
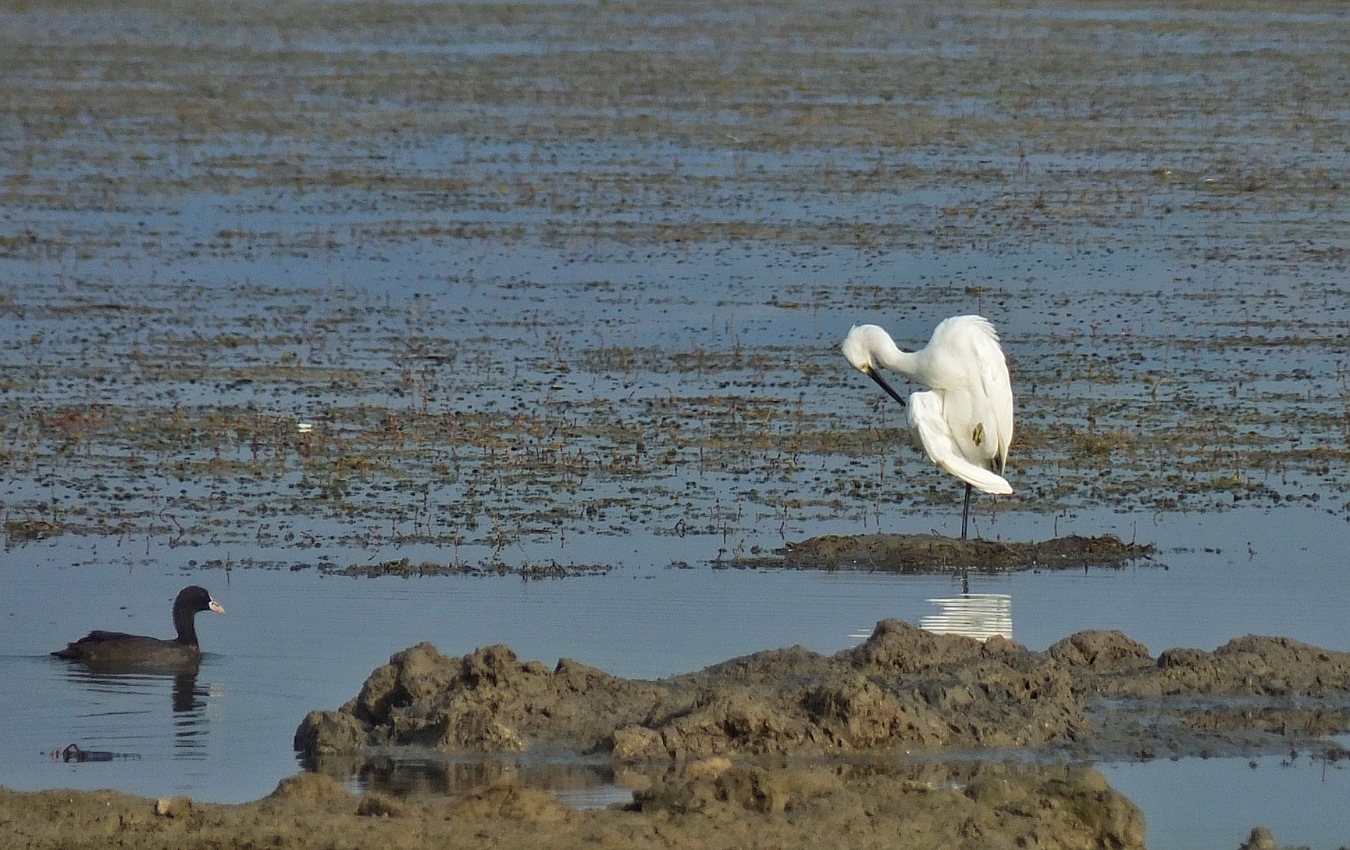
1301,800
293,641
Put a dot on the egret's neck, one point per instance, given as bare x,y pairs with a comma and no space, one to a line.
909,363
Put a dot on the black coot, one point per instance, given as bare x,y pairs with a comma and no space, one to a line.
119,649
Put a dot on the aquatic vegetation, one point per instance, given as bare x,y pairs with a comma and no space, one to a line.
284,285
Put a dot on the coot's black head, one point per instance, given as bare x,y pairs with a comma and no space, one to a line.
192,599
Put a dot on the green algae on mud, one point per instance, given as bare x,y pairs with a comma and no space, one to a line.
926,553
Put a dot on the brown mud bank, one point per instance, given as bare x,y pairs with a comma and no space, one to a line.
922,553
709,804
1094,694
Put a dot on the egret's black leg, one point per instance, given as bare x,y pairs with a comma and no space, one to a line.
965,512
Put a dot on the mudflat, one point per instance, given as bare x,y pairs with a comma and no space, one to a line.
306,281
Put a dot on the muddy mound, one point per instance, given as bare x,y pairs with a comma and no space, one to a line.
921,553
487,701
903,689
968,804
705,805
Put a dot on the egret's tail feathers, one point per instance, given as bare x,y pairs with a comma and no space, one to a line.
976,476
935,435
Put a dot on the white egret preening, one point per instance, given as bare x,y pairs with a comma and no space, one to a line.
965,421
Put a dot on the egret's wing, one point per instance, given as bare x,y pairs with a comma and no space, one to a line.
998,395
930,426
988,381
972,360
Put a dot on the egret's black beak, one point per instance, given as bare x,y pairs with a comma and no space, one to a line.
871,372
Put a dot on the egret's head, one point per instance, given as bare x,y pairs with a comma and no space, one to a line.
860,347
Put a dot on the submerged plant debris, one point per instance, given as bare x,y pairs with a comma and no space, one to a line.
405,568
494,283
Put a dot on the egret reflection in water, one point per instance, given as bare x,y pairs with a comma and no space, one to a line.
976,615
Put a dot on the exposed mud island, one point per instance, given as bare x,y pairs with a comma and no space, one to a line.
306,281
782,747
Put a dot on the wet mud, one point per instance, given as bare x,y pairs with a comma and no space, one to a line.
709,804
1093,695
921,553
791,731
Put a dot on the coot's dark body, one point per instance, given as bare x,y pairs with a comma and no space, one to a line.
119,649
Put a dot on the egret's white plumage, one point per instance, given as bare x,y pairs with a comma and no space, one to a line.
965,421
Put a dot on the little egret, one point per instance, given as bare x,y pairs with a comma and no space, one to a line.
965,422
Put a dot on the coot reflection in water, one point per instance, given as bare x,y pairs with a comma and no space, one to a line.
127,707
